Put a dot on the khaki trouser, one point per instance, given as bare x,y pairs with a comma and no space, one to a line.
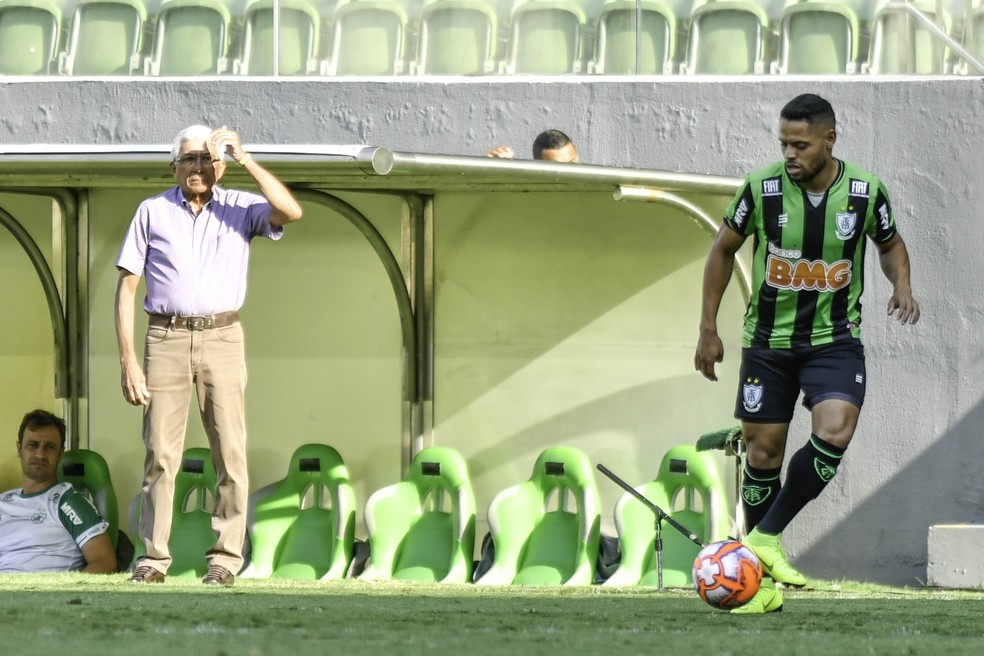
212,361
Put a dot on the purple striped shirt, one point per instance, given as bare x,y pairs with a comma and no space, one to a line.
195,265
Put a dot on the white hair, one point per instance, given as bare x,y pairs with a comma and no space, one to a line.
196,133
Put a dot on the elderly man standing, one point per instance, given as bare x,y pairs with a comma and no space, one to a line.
192,245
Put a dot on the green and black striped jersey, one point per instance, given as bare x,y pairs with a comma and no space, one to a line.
808,262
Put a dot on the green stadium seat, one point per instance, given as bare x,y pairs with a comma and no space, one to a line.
973,40
546,38
104,38
299,38
616,45
29,36
88,473
900,45
689,488
369,38
191,528
192,38
303,526
546,530
457,37
727,37
818,37
423,528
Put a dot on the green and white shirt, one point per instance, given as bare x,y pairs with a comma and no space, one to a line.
808,262
45,531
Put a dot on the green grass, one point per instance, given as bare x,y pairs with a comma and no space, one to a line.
80,615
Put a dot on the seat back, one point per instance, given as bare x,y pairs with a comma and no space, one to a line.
689,488
298,43
29,34
368,38
727,37
457,37
423,528
818,38
546,37
616,49
191,525
88,472
105,37
901,45
546,530
192,38
303,526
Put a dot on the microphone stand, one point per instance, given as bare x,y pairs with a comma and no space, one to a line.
660,516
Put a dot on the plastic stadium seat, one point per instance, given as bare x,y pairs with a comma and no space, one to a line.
900,45
191,528
303,527
29,32
546,530
88,472
423,528
688,487
299,35
818,37
368,38
973,37
546,37
727,37
192,38
457,37
104,38
616,47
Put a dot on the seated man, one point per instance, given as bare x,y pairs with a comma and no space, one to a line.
549,146
46,526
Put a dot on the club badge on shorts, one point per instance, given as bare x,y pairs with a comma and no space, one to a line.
751,395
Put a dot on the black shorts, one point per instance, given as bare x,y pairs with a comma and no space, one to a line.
771,379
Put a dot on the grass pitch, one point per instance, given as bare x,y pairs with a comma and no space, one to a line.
80,615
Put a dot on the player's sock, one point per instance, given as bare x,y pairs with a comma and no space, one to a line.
759,490
810,469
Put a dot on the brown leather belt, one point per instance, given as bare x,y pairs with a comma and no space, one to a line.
219,320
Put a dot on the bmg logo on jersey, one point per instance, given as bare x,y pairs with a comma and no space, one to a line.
805,274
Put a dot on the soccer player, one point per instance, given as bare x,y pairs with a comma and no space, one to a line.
46,526
811,215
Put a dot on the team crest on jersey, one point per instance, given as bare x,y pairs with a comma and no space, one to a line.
846,223
39,517
751,395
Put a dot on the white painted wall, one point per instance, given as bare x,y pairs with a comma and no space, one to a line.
918,454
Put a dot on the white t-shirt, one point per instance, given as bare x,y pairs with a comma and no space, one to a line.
45,531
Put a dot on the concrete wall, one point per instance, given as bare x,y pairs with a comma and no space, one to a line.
917,454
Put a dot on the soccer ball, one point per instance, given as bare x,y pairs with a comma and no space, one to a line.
727,574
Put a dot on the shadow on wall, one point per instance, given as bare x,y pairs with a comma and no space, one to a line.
943,485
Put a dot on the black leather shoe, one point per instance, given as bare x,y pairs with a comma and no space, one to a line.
218,575
147,574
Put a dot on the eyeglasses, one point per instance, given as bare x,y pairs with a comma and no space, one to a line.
193,160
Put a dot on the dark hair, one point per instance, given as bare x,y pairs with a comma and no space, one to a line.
36,419
810,108
549,140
